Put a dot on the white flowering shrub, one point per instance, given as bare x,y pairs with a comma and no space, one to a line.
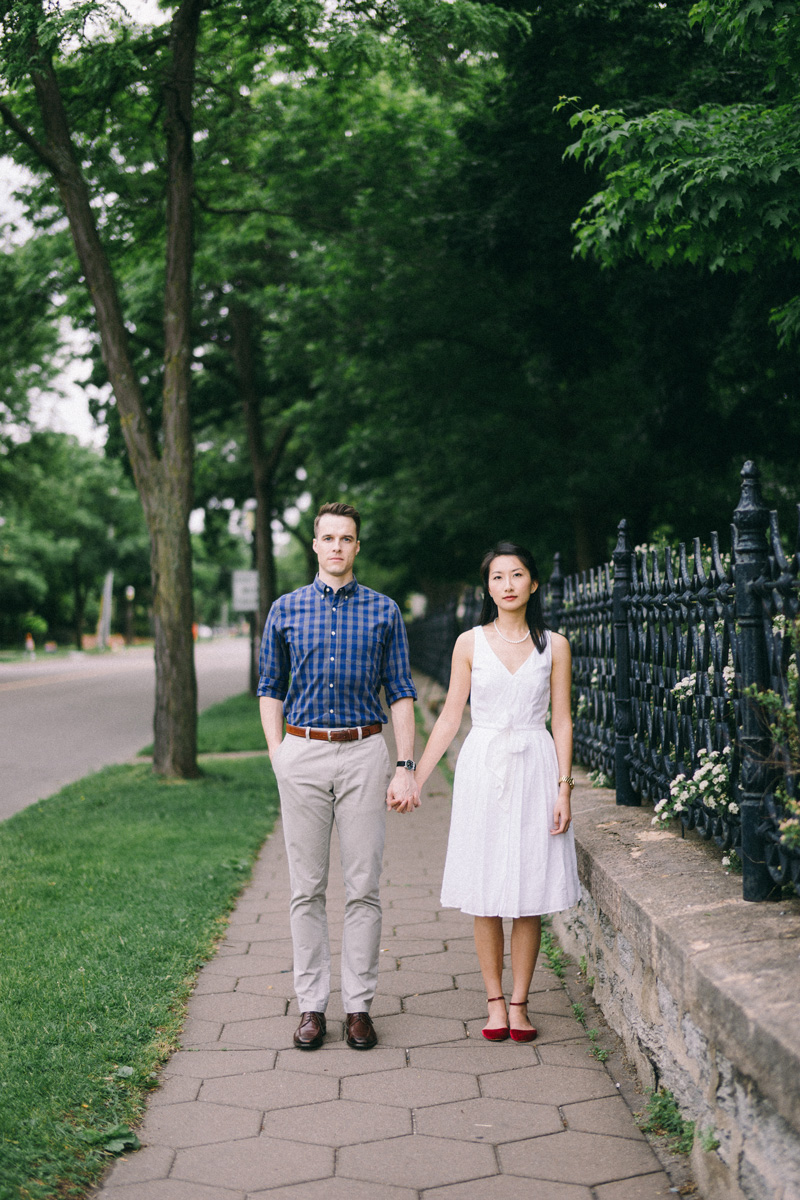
781,713
599,779
684,689
728,675
710,784
790,826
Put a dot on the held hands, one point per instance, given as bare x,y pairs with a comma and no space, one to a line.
403,792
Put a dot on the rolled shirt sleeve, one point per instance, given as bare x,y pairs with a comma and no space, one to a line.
395,666
274,662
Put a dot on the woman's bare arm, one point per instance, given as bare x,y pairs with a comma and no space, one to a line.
561,725
449,719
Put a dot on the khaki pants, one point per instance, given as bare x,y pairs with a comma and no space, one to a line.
319,783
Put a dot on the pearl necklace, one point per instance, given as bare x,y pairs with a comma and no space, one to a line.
511,641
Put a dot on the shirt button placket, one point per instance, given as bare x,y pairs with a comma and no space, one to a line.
333,635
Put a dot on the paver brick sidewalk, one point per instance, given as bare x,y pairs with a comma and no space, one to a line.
433,1113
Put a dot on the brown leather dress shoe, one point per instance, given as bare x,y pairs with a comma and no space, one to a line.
310,1033
360,1031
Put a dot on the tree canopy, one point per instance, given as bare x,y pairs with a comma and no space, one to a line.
379,295
714,185
67,516
109,117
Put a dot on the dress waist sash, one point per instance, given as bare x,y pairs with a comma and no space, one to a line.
508,742
510,728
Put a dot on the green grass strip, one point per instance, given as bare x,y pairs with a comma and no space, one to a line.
232,725
112,894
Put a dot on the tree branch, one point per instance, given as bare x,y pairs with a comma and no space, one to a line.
300,217
27,139
239,212
278,446
74,192
178,113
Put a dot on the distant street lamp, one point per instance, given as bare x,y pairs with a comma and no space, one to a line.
130,592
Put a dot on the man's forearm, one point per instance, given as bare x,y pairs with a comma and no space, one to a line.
403,724
272,721
403,793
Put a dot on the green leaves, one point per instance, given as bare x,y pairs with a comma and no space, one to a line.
59,501
768,27
114,1140
715,187
718,187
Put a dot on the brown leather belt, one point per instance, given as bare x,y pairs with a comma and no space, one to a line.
335,735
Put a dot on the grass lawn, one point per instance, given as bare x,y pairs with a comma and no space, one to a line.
112,893
233,724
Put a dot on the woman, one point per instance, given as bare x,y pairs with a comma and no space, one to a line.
511,851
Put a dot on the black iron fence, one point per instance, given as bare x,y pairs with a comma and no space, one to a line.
685,682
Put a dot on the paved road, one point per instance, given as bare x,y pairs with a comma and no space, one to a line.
62,718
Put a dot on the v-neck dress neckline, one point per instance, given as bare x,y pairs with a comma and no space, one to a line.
499,659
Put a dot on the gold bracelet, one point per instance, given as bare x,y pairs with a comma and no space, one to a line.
567,779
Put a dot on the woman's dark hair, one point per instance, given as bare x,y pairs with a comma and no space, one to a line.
533,612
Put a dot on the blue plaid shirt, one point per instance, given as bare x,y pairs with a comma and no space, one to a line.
327,654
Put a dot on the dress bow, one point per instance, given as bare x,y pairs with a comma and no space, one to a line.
501,750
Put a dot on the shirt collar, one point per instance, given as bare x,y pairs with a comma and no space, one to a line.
324,589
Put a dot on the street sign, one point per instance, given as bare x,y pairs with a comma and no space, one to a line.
245,591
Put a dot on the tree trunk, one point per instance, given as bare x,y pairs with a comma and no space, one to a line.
164,482
312,564
79,609
175,721
175,743
264,464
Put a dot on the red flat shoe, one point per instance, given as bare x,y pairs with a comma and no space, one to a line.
521,1035
501,1032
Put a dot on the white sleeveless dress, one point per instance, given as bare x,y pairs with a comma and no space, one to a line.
502,860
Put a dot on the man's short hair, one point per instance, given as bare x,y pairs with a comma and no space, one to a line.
338,510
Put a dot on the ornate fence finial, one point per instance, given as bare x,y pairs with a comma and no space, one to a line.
751,517
623,546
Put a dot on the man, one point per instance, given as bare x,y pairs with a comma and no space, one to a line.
326,651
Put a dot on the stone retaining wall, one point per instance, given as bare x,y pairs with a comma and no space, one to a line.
702,988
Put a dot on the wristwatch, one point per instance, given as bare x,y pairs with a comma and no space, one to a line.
408,763
567,779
